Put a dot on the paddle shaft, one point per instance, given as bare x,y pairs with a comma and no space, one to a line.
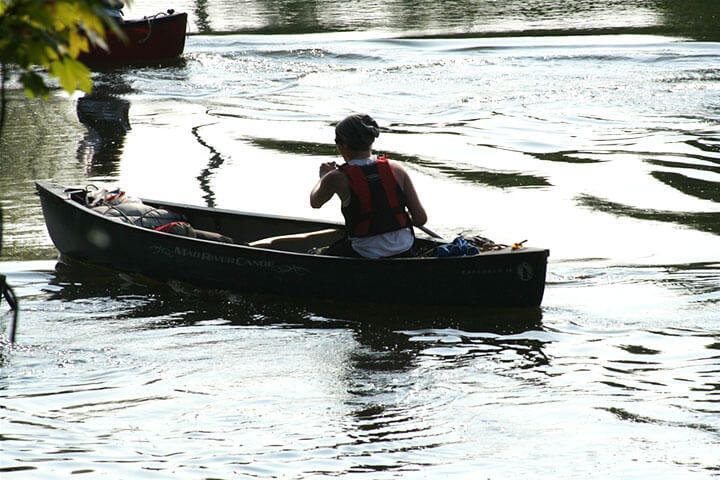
429,232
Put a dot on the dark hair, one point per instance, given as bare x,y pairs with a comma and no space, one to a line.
358,131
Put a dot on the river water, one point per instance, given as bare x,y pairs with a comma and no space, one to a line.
589,128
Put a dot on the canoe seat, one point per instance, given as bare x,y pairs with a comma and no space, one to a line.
300,242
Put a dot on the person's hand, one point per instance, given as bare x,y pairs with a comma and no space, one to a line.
327,167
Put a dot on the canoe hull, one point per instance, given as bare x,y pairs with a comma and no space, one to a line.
500,278
151,39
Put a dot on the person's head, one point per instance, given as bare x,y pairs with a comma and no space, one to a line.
356,133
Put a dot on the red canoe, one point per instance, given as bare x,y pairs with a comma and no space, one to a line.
150,39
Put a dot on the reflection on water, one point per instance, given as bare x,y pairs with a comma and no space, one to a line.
39,141
77,280
278,386
691,18
455,171
702,189
703,221
216,160
106,116
202,17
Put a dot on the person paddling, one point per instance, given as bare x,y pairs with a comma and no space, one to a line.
378,199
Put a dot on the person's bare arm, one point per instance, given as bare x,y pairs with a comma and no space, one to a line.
415,207
327,186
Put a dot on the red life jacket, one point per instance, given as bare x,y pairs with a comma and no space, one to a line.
377,203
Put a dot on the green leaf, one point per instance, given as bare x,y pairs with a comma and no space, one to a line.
51,34
72,74
34,85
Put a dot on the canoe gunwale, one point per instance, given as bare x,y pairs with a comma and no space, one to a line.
182,207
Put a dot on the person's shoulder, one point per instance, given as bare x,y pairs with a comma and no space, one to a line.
336,177
396,166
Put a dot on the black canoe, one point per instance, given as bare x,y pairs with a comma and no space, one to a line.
498,278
